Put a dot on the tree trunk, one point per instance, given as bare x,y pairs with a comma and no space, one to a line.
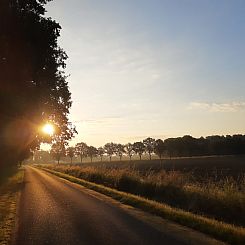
150,155
140,157
110,158
71,160
101,158
81,158
91,159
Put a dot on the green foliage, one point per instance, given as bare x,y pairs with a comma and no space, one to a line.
149,144
110,149
92,152
81,150
129,150
101,152
159,148
58,150
70,152
119,148
33,87
139,148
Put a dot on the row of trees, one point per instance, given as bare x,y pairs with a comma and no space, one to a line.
82,150
186,146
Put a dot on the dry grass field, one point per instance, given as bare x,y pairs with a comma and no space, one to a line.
210,186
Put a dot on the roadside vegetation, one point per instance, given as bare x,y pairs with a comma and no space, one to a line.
10,186
220,230
198,182
221,198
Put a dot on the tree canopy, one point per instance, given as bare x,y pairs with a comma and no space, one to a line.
33,86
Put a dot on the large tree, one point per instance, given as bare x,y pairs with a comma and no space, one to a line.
110,149
129,149
101,152
139,148
70,152
33,87
120,150
81,150
58,150
92,152
159,148
149,144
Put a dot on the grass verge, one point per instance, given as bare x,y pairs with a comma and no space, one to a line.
222,231
219,198
9,193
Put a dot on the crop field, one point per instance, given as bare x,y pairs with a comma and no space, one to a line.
202,167
210,186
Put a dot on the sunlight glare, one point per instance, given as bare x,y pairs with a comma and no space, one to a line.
48,129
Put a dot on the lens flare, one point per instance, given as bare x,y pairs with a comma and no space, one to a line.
48,129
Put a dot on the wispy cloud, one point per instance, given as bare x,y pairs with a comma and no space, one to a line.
218,107
102,120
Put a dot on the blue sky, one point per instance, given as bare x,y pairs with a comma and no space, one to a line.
153,68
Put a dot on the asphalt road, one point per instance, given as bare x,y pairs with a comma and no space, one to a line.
54,211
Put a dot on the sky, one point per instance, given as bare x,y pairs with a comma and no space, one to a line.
153,68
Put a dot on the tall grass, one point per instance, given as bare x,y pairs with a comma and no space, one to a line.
222,199
9,191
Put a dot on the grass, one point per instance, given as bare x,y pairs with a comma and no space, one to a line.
220,230
222,199
9,192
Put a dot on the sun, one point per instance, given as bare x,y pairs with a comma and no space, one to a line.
48,129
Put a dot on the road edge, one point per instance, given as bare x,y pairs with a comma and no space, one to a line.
218,230
17,212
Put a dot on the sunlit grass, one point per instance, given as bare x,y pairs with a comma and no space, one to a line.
220,230
9,191
223,200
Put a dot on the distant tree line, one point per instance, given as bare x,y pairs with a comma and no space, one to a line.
186,146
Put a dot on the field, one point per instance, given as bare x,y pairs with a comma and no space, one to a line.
215,166
209,186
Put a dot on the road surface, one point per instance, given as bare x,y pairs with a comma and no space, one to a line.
55,211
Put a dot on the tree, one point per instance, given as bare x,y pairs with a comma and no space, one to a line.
139,148
92,152
110,149
101,152
33,87
119,150
149,144
129,149
81,150
159,148
70,152
58,150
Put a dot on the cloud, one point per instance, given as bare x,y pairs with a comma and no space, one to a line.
102,120
142,137
218,107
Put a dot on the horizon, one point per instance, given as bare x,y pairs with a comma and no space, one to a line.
153,69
